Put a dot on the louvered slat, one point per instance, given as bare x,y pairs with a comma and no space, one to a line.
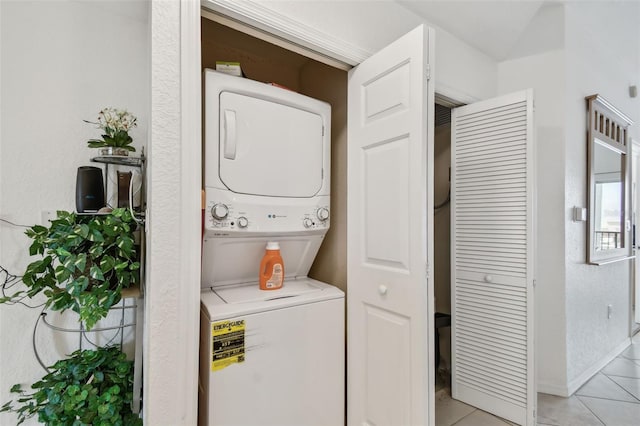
491,258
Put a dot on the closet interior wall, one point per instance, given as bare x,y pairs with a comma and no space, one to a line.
265,62
442,228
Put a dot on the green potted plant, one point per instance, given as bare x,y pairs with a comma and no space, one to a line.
91,387
86,262
115,125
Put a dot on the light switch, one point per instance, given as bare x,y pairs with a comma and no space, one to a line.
579,214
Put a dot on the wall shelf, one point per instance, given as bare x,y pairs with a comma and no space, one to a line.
121,160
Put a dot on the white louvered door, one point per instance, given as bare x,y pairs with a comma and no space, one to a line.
492,256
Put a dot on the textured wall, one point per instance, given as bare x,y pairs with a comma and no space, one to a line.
173,285
61,63
595,51
603,47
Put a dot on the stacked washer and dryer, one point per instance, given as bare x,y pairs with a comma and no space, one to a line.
267,357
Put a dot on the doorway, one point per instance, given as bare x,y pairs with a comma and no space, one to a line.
442,245
297,73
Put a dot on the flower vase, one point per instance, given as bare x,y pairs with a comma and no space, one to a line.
111,151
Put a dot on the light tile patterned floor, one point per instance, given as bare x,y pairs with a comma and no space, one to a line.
610,398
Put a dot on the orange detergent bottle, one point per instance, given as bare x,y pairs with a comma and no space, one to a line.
271,268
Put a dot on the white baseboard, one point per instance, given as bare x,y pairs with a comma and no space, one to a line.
576,383
552,389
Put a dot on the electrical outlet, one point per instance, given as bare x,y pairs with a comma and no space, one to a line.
48,215
609,311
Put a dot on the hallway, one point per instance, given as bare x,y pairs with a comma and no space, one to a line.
610,398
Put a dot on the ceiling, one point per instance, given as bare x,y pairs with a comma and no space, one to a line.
493,27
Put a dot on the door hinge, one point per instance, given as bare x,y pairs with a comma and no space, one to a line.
427,271
428,71
322,130
534,283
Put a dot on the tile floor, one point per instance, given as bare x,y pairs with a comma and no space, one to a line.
610,398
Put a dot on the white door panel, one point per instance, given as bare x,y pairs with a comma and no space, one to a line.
390,307
492,256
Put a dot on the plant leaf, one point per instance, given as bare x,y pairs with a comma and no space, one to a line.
96,273
81,262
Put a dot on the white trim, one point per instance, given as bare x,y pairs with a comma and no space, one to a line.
265,19
431,297
171,338
455,94
577,383
190,188
552,389
270,38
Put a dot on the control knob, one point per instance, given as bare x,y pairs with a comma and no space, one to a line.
307,222
219,211
322,213
243,222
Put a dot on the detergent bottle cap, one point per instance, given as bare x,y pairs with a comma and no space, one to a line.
273,245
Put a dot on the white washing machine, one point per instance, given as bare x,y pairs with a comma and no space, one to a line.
267,357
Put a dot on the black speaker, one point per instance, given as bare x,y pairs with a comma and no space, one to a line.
89,189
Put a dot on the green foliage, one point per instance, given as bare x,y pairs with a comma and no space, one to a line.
92,387
114,138
86,262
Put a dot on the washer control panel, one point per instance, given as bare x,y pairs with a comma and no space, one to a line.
289,216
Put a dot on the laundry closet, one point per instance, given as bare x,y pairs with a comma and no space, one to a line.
383,200
268,63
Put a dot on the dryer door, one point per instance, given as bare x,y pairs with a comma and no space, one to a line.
267,148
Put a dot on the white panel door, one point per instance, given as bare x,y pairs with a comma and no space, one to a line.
390,192
492,256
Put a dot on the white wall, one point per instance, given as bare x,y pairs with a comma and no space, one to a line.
61,62
541,72
595,51
602,48
461,71
537,62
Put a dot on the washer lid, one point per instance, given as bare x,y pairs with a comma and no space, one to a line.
252,293
247,299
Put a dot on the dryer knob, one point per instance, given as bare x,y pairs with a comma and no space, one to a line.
322,213
219,211
243,222
307,222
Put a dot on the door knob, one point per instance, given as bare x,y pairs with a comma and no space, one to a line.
382,289
488,278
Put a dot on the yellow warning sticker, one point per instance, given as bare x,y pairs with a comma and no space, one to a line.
228,343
